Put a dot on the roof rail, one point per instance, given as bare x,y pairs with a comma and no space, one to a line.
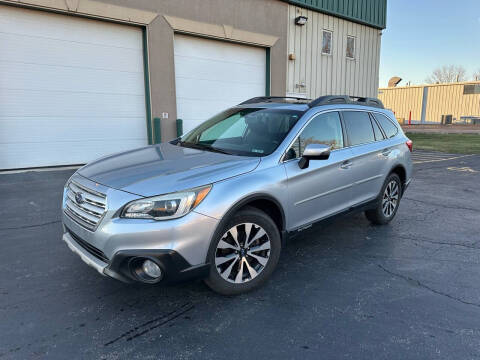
346,99
270,99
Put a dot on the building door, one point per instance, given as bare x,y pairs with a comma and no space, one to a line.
71,89
211,75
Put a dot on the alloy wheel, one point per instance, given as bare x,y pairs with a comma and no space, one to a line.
242,253
390,199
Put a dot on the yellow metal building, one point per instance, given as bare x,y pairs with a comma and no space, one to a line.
427,103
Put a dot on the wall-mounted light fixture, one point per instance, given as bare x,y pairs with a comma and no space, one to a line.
301,20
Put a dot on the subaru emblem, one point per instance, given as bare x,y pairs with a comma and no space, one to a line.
79,198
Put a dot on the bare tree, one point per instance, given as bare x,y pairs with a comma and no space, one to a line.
476,75
447,74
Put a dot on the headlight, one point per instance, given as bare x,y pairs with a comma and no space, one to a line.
166,207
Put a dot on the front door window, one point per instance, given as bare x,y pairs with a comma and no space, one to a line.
324,129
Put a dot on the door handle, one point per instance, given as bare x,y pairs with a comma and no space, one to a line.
386,152
346,164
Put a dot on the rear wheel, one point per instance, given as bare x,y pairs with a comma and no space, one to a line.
388,202
245,254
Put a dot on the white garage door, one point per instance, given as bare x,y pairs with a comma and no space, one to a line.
71,89
213,75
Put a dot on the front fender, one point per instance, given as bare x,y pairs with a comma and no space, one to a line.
228,195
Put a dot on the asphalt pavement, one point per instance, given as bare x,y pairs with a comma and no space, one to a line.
408,290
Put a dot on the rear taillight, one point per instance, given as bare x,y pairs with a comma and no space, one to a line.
409,145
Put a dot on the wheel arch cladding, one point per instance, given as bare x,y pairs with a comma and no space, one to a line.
401,172
262,202
269,207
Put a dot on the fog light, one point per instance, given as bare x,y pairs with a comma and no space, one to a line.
151,269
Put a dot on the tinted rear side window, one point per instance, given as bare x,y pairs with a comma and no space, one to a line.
359,127
388,126
376,129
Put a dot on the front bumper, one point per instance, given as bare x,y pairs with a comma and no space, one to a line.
86,257
174,267
179,246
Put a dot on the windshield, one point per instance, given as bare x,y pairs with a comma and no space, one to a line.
248,132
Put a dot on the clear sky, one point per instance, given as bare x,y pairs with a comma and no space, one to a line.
422,35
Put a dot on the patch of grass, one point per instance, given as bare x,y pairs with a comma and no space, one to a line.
450,143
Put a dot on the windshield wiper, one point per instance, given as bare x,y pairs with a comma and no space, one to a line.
203,147
218,150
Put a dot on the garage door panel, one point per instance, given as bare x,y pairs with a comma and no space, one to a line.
39,129
39,154
32,50
201,69
191,124
218,89
32,103
55,78
73,29
71,89
212,49
203,109
212,75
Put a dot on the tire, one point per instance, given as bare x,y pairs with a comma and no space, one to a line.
387,205
256,264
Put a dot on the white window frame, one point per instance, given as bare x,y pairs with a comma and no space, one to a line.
354,48
331,41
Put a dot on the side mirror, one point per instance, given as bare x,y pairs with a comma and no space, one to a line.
314,152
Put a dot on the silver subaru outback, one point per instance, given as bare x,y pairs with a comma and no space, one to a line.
220,202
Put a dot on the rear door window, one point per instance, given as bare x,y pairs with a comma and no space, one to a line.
359,127
388,126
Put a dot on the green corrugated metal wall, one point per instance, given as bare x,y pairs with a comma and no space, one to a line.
368,12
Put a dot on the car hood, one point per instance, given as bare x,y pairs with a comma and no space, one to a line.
165,168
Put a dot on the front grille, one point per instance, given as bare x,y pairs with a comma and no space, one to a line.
89,210
89,248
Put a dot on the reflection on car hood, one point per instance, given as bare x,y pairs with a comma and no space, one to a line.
165,168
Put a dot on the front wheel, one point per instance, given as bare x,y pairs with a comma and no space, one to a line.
387,203
245,253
